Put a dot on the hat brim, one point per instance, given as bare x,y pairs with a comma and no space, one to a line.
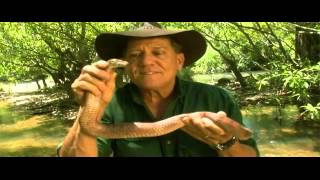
112,45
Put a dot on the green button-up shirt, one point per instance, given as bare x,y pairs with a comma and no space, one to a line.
128,106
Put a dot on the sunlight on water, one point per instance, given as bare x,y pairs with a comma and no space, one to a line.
285,140
27,136
8,116
23,135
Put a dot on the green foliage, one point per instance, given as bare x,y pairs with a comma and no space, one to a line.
298,81
60,49
297,84
312,112
186,74
209,63
32,50
50,46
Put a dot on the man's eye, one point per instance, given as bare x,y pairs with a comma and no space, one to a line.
134,55
157,53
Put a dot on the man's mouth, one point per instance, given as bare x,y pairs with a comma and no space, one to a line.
148,73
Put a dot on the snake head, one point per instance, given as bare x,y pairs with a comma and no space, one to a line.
117,63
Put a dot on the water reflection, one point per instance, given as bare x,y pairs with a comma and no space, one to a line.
23,135
9,115
287,138
27,135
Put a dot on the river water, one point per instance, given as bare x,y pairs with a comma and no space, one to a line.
23,135
26,135
285,139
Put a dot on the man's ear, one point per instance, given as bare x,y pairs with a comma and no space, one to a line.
180,61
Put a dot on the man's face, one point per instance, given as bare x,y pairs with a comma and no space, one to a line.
153,62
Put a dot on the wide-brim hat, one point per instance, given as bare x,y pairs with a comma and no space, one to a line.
111,45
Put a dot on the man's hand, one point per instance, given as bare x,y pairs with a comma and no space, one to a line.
214,128
98,79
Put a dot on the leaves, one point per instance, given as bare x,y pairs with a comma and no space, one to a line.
57,49
313,112
61,49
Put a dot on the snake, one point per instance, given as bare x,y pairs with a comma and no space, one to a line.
90,119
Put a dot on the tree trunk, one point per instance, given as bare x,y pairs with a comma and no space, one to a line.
233,67
44,82
307,46
55,79
39,87
281,48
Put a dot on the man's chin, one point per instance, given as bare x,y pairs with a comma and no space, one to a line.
152,86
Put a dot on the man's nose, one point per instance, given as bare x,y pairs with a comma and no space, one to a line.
147,59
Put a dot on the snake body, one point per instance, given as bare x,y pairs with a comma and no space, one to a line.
90,119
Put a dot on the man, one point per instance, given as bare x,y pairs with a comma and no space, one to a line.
213,123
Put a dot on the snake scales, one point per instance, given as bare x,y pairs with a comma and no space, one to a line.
90,121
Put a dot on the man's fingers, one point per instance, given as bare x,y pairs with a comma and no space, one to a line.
199,135
96,72
79,96
207,130
110,87
78,93
215,116
194,133
220,120
221,114
91,79
186,120
204,125
235,128
101,64
212,127
216,133
245,134
86,86
229,125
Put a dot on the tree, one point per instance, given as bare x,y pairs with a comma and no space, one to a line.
57,49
